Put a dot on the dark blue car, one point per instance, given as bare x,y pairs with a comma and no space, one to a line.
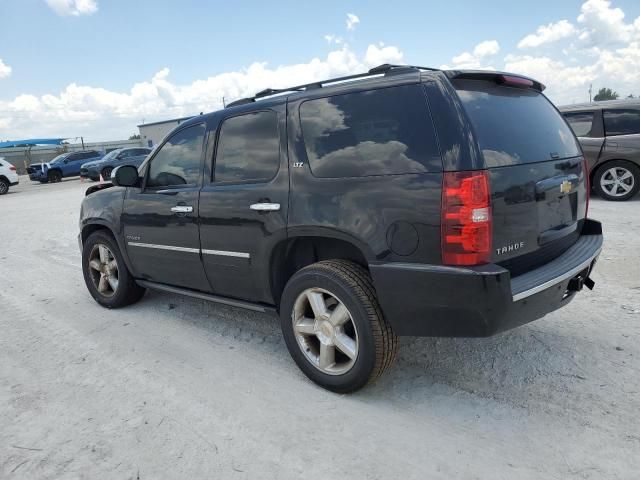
65,165
105,165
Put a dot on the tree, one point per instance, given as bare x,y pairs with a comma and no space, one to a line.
605,94
630,96
134,137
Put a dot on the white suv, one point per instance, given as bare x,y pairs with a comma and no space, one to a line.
8,176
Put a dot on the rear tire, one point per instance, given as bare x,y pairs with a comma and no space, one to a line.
54,176
4,186
350,351
105,273
617,181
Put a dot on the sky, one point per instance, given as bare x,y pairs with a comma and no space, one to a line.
98,68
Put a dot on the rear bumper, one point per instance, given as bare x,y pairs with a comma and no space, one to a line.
430,300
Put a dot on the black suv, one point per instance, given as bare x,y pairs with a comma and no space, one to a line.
609,132
403,201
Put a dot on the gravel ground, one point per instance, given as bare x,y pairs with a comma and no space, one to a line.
174,387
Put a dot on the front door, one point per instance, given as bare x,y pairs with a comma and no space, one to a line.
160,220
243,204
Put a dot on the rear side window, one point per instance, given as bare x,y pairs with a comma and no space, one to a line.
622,122
581,123
514,126
377,132
248,148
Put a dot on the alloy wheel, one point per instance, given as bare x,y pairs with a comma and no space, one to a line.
103,268
325,331
617,181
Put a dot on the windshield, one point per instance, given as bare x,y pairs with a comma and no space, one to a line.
515,125
112,154
58,158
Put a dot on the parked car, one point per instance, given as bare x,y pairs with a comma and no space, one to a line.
8,176
115,158
395,202
610,136
62,166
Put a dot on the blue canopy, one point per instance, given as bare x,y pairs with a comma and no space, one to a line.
32,141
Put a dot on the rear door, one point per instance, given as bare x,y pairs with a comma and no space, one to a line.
160,220
244,203
536,171
588,127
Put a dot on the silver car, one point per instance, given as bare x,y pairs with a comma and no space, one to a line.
609,132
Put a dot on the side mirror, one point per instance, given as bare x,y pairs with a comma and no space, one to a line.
125,176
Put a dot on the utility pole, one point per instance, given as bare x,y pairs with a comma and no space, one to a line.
590,86
82,141
224,104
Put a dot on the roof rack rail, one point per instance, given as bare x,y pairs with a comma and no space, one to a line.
384,69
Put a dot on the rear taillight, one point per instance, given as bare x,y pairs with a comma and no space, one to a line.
587,184
11,167
466,218
513,81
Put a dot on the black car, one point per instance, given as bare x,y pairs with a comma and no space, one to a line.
403,201
609,132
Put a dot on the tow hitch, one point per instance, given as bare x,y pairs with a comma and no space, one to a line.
577,283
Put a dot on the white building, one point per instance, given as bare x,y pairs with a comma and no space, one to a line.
152,134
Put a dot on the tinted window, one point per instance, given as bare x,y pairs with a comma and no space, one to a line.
248,148
378,132
515,125
581,123
178,160
622,122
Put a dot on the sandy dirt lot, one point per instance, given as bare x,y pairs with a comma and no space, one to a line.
175,387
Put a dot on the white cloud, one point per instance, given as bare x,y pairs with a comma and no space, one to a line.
377,55
486,48
101,114
602,24
548,34
478,58
73,7
352,21
5,70
330,38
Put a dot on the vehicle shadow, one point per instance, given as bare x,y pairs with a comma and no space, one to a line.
539,363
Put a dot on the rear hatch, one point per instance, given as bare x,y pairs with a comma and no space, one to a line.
536,172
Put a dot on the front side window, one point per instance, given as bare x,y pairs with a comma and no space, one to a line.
581,123
622,122
178,160
248,148
378,132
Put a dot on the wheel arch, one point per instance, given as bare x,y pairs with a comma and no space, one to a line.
298,251
100,225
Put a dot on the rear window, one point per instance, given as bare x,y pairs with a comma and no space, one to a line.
378,132
580,122
515,125
622,122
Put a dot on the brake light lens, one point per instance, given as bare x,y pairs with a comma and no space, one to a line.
587,184
11,167
513,81
466,218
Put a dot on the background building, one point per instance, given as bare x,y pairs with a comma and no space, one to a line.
152,133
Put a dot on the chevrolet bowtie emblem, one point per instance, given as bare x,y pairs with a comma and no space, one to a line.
565,187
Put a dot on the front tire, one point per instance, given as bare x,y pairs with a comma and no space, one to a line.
617,181
105,273
334,328
4,186
54,177
106,174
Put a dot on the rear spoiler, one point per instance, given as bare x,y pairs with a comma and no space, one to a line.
502,78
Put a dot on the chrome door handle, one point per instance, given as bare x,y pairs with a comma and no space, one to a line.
265,207
182,209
